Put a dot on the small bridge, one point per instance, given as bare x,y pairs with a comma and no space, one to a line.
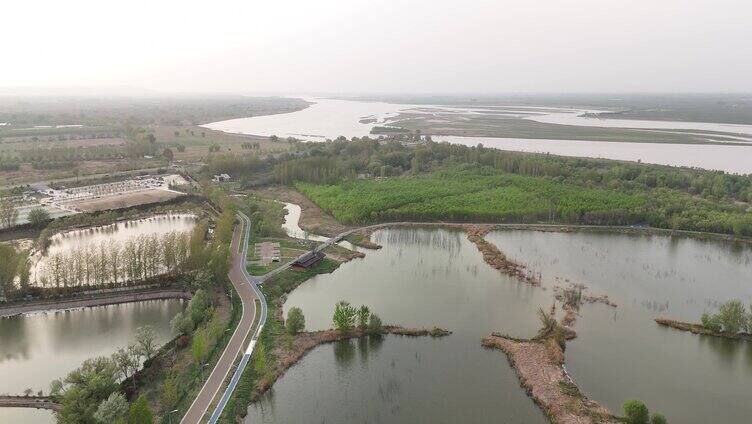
38,402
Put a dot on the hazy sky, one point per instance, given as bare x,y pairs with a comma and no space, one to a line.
380,46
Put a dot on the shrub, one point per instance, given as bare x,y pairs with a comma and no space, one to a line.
658,419
363,315
295,321
344,316
710,322
38,217
635,412
732,316
374,324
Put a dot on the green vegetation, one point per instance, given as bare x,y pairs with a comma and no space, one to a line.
374,324
38,217
635,412
92,393
295,321
363,315
731,318
274,332
488,195
366,180
472,194
344,316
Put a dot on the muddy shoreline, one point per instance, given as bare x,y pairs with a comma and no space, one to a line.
699,329
92,300
496,258
545,380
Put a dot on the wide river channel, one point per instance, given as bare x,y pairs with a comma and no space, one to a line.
425,277
330,118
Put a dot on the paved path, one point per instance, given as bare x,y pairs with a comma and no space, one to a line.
247,292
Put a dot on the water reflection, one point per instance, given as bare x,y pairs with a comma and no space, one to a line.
421,277
37,348
344,353
120,232
622,353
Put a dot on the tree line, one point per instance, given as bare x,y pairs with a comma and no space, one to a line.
661,196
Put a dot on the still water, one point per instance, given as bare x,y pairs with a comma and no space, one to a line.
420,278
38,348
621,353
119,232
426,277
292,228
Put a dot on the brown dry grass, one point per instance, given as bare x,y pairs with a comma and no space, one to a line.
496,258
538,366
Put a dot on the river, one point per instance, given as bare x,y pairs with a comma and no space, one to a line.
41,347
426,277
330,118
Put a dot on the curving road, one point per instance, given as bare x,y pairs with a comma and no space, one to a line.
246,286
248,292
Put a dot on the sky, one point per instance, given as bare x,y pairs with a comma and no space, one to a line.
384,47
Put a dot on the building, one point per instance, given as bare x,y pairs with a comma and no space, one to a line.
220,178
308,260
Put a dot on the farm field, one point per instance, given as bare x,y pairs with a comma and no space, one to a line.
483,194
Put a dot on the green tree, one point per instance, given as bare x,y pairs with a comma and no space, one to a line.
112,409
635,412
658,419
182,323
733,316
146,341
170,395
38,217
363,315
84,388
295,321
344,316
711,322
259,358
200,346
140,413
374,325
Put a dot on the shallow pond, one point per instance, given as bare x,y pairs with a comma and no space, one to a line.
426,277
621,352
420,278
38,348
